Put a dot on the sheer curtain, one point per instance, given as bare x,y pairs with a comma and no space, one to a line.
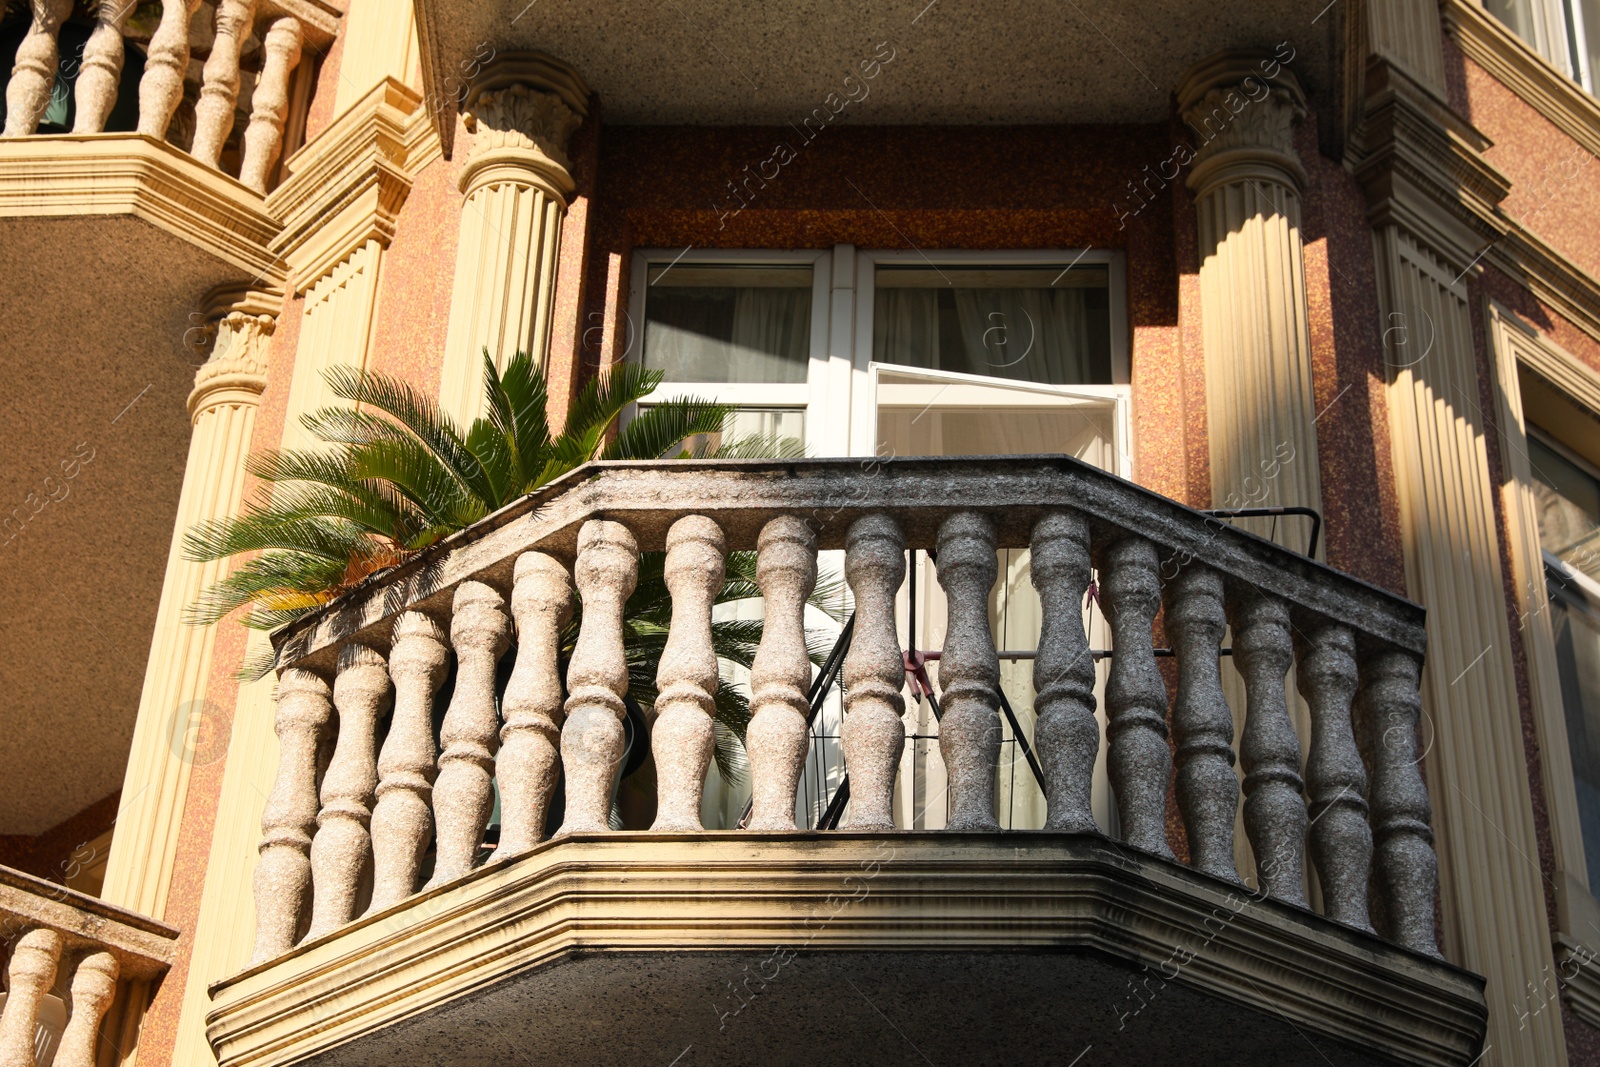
1029,335
722,334
905,328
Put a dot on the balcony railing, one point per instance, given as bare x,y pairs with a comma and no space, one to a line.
1361,804
64,941
268,36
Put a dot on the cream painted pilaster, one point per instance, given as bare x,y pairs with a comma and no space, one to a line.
1247,179
1433,200
339,204
521,111
223,408
380,41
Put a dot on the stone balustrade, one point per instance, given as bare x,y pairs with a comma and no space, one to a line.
259,41
66,954
1357,797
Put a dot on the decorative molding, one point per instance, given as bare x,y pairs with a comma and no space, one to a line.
930,893
131,174
1422,168
1489,43
517,117
1551,277
241,323
1243,120
319,19
346,187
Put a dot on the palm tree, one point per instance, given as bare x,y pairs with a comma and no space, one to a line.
398,475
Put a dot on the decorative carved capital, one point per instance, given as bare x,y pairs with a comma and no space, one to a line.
522,111
239,324
1241,107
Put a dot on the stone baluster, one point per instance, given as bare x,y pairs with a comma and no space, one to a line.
463,796
597,675
94,984
161,87
1341,840
686,678
777,738
1138,762
219,88
283,873
873,735
1408,870
341,853
1066,732
541,602
402,820
1274,803
95,93
32,972
1202,724
969,670
34,75
263,138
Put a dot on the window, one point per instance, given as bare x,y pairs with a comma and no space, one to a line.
1566,32
1567,501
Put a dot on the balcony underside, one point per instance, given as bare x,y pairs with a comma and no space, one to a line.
1020,948
109,244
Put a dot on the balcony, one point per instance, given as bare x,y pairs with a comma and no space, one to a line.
73,964
776,943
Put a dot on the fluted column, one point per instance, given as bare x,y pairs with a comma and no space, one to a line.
166,62
28,91
94,984
29,977
283,873
463,796
263,138
969,671
172,705
530,740
402,820
521,110
780,675
873,735
1246,181
1341,840
1202,724
1065,731
1274,802
213,112
341,853
100,73
1138,761
597,675
1408,870
682,739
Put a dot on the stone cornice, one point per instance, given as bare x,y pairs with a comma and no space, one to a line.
744,892
131,174
144,948
1489,43
1422,167
319,19
346,187
1551,277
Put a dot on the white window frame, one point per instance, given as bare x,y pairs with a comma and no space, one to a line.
841,384
1517,344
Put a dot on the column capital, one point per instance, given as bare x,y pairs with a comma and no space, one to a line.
522,111
240,322
1241,106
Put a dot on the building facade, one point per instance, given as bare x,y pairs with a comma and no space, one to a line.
1046,296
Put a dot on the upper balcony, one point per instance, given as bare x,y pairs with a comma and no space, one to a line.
73,971
391,928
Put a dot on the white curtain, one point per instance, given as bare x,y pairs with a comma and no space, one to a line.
1028,335
905,328
767,341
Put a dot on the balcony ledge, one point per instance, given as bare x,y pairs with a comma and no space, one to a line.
73,175
623,948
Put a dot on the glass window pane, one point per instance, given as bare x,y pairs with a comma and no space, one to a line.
728,324
1047,325
1567,496
1576,621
